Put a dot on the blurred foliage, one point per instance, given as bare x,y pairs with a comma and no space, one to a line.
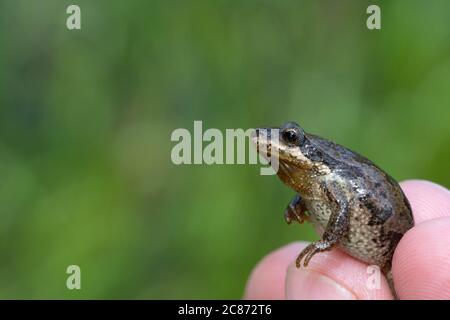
86,118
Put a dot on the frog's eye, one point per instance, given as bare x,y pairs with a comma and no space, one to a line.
292,136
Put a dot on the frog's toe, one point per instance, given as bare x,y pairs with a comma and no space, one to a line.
288,216
304,254
291,214
310,251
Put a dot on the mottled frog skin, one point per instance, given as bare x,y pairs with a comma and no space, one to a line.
351,202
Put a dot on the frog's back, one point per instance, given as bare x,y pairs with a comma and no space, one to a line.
339,153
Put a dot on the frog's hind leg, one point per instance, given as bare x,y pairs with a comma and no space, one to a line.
330,239
296,211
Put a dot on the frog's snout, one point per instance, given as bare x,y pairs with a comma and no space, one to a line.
261,138
261,134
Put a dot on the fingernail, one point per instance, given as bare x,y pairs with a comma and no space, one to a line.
303,284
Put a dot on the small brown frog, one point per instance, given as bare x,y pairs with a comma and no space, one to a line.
352,203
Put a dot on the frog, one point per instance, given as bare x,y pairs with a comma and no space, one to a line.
352,203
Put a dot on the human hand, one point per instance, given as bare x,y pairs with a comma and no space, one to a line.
420,267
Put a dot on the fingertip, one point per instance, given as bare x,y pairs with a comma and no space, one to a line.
421,261
428,200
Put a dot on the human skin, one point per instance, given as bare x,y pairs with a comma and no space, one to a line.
420,266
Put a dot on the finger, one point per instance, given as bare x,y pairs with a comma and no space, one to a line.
266,281
334,275
428,200
421,264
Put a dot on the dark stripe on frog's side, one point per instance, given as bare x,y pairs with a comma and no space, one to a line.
392,238
316,155
379,215
409,210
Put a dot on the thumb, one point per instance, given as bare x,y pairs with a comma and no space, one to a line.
333,275
305,284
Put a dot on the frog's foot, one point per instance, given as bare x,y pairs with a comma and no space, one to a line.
311,250
295,211
291,214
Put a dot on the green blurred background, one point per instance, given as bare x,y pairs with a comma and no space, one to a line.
86,118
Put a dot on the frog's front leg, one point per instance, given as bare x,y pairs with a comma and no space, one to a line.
336,229
296,210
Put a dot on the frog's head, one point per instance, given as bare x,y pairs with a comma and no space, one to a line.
292,146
